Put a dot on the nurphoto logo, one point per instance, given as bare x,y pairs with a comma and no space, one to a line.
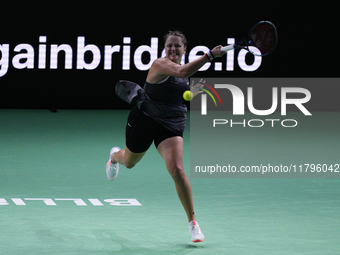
280,100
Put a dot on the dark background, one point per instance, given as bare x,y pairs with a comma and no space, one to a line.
308,38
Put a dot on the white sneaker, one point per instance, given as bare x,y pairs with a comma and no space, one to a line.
112,169
195,231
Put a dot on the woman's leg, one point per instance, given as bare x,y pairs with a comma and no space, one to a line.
127,158
171,150
139,135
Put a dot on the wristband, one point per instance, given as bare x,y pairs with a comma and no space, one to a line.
209,55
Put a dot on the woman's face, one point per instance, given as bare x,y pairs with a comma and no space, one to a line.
174,48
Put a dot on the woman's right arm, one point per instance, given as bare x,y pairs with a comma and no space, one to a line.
164,67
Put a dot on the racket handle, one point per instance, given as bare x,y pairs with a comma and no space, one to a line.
229,47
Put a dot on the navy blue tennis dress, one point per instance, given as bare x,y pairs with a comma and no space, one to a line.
158,111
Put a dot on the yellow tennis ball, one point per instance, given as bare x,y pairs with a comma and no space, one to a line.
187,95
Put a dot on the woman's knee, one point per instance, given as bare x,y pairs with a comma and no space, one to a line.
131,158
129,164
176,171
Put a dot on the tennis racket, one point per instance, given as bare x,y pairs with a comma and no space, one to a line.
260,41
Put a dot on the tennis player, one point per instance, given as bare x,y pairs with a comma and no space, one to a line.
165,84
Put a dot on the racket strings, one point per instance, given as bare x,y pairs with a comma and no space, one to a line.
263,37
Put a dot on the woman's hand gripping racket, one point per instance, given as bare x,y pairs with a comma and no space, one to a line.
260,41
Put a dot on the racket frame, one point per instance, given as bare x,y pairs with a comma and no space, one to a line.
246,40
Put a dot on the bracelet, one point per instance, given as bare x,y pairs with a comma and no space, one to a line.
209,55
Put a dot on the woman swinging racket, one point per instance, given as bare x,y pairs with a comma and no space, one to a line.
166,81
